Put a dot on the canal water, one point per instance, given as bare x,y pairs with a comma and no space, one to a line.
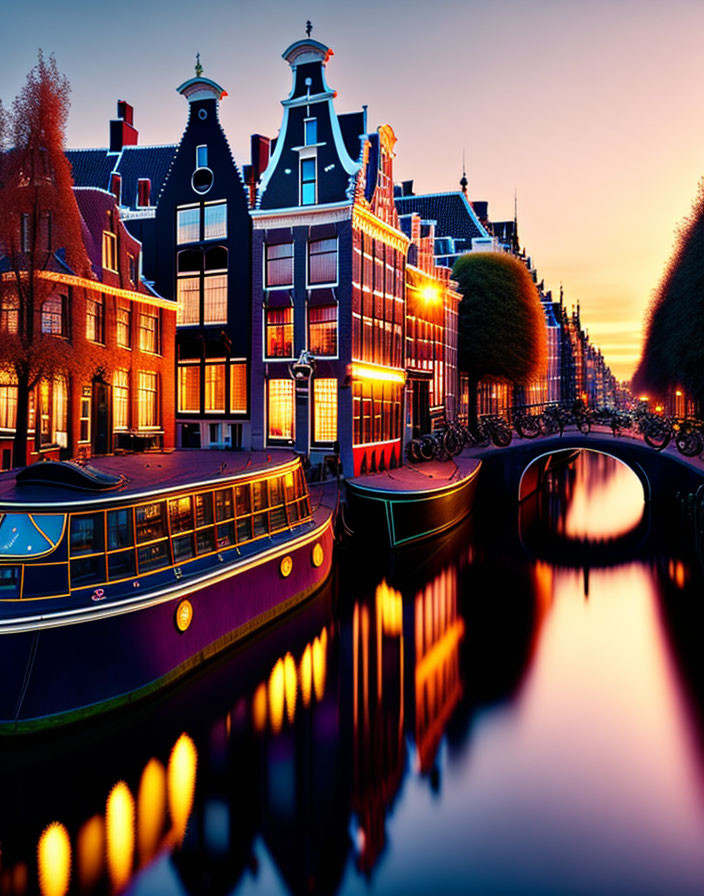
516,708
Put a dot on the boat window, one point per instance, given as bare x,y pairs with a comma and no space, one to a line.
261,524
121,565
20,537
9,582
153,556
278,518
183,547
276,491
223,505
181,514
119,529
289,487
87,534
293,513
51,525
205,540
259,495
151,521
204,509
87,570
244,529
226,535
244,504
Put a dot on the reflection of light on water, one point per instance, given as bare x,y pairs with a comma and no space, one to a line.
319,664
119,826
276,696
607,499
678,573
90,845
290,686
181,778
259,708
54,860
151,809
307,675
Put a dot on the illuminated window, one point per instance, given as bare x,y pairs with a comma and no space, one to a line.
238,387
120,399
123,324
188,224
215,221
280,409
308,179
325,410
215,286
310,131
215,387
188,301
109,251
53,319
59,412
322,330
84,433
8,406
279,265
189,388
9,314
149,329
148,400
95,320
279,332
322,262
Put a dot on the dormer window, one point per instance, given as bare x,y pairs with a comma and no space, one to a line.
310,131
201,156
116,187
144,186
308,181
109,251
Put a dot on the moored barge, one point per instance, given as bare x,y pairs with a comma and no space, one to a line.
119,577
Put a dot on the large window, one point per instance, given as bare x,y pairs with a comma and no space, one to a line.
279,266
189,388
54,315
280,406
109,251
188,224
325,410
53,412
308,178
279,332
149,329
215,286
207,222
376,411
148,400
95,320
120,399
123,323
9,314
84,433
8,406
238,387
215,386
215,221
202,274
322,262
322,329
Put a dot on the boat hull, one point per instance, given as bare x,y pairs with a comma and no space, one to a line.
403,517
56,671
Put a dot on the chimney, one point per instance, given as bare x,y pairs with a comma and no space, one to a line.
260,148
407,187
122,131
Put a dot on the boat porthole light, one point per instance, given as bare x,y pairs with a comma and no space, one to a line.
318,556
184,615
286,566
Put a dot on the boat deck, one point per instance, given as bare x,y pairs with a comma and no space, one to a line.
432,475
148,473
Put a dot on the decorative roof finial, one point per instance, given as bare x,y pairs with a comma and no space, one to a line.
309,28
464,183
199,67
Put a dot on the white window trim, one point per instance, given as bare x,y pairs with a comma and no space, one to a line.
207,239
335,357
306,153
266,357
293,266
331,283
279,439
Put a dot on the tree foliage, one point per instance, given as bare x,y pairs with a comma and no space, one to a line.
673,351
501,320
40,234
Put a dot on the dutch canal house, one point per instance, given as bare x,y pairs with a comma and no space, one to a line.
328,281
188,204
104,339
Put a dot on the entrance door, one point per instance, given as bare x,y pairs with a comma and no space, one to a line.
101,414
421,407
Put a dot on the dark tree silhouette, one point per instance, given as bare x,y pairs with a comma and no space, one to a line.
673,351
502,331
40,236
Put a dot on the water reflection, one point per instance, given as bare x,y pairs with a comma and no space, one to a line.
457,719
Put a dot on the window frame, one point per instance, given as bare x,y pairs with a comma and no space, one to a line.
317,284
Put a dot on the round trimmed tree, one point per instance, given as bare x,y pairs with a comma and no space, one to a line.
502,332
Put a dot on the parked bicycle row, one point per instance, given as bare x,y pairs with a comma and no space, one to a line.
657,430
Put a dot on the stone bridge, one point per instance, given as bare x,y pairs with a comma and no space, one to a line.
516,472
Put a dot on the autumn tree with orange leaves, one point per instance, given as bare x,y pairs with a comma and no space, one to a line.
40,238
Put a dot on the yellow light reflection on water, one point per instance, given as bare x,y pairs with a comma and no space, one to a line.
290,686
54,860
319,665
306,673
276,696
119,829
607,500
151,809
90,846
259,708
181,784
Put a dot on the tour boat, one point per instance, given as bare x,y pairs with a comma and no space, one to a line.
119,576
411,503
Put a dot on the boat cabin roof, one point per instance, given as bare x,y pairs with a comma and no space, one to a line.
150,475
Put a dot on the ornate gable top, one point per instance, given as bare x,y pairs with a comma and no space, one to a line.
307,50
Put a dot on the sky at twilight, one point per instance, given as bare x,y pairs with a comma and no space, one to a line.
590,111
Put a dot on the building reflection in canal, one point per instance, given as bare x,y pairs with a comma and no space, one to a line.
457,717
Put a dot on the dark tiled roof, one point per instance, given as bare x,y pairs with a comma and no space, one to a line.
352,127
452,211
93,167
